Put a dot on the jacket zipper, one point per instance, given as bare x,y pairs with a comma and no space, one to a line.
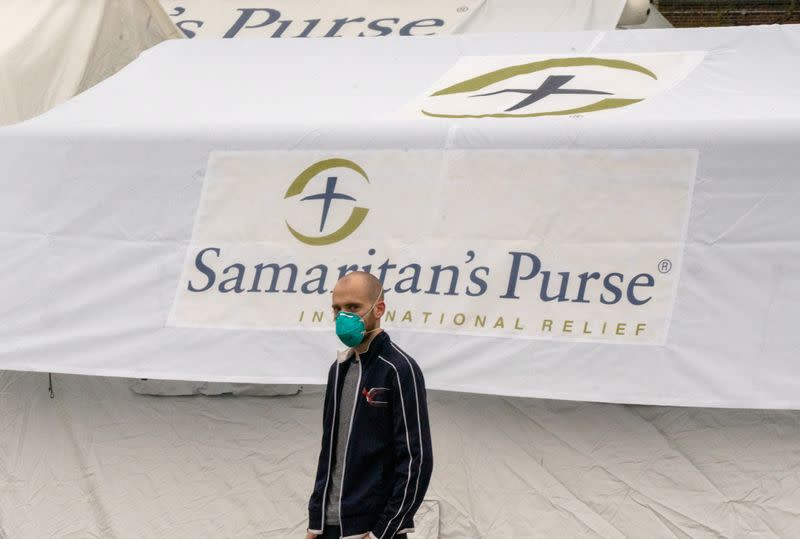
330,449
346,446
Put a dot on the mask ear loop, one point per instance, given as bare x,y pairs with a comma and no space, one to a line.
369,311
374,303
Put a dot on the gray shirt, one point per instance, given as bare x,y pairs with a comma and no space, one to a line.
349,389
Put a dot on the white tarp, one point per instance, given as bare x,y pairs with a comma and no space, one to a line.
101,461
51,50
374,18
103,196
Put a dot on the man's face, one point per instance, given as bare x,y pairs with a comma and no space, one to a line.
352,295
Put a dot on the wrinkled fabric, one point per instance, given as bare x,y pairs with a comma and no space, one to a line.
99,460
100,196
51,50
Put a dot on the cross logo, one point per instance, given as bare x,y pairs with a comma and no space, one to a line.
551,86
473,97
297,187
327,197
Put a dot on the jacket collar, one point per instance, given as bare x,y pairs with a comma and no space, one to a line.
377,344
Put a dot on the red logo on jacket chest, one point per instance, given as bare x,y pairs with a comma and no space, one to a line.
376,396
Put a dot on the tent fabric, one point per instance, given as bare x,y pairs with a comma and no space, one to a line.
101,196
654,19
51,50
635,12
99,460
291,18
174,388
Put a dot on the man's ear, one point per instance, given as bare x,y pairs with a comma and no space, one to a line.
380,308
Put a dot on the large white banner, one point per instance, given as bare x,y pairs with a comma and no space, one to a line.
574,245
292,18
378,18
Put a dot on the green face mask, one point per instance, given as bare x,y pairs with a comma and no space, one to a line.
350,327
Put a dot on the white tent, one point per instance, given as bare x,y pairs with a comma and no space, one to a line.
51,50
114,198
100,206
101,461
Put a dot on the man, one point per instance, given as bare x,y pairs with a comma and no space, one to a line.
376,458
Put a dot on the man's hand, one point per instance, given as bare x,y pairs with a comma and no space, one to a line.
310,535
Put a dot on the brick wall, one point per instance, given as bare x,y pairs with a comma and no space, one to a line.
690,13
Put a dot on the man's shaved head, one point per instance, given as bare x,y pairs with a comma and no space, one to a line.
371,284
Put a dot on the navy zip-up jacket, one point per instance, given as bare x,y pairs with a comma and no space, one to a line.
388,457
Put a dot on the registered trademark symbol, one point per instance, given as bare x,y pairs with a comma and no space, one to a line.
462,9
665,265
